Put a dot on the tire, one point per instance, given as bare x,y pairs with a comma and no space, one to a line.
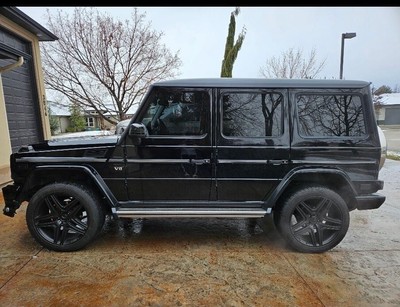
313,219
64,216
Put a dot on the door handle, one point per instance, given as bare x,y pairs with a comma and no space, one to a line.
200,161
278,162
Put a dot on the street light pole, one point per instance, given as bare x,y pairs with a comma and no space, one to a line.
344,36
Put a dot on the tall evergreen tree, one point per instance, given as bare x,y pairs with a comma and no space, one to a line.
231,48
77,121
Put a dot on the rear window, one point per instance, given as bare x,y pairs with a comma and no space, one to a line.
330,115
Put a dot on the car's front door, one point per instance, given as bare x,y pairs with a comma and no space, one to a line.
174,162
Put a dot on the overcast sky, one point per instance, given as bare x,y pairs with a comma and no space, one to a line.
199,34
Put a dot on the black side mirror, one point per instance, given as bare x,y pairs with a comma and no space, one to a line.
138,131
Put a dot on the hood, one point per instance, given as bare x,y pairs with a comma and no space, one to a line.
73,142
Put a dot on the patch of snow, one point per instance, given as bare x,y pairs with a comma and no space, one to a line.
83,134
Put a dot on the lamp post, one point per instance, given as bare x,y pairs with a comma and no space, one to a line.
344,36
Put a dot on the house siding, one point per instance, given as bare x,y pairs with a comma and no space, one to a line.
23,111
5,149
22,105
392,115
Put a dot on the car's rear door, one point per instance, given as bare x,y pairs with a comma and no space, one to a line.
252,142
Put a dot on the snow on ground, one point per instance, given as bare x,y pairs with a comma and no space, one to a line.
83,134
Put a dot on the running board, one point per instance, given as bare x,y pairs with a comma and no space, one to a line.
191,212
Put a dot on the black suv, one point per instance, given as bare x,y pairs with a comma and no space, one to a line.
306,151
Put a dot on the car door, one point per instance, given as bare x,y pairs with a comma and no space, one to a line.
252,143
174,162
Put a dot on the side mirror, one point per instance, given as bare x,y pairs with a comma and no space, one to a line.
138,131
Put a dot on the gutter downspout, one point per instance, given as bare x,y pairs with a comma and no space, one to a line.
12,66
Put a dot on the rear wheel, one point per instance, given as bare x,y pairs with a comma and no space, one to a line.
64,216
313,220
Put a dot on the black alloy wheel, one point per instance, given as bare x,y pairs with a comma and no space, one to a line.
64,216
313,219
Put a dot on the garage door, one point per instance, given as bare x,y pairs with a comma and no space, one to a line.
20,92
392,116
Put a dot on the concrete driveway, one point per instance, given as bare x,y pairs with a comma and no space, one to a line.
208,262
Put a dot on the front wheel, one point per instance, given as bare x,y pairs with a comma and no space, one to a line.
313,220
64,216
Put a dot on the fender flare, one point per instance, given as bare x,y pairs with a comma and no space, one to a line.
270,201
92,173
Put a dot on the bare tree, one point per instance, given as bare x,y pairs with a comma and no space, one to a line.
330,115
384,89
293,65
105,64
252,114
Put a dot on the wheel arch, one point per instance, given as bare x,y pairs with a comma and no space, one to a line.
334,179
46,174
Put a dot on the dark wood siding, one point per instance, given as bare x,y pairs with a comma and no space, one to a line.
20,93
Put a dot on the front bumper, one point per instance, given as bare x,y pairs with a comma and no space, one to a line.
10,194
372,201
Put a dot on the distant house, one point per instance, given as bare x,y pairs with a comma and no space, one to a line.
62,115
94,121
387,110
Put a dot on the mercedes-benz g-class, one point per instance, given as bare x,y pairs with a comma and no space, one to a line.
306,151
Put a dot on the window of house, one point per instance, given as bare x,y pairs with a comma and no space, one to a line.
90,121
252,114
334,115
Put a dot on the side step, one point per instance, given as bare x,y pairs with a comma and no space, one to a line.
191,212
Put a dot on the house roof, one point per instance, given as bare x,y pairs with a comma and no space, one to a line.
131,111
58,109
390,99
20,18
62,110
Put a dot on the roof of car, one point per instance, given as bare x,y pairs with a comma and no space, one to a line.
262,82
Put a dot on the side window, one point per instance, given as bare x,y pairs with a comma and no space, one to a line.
177,112
252,114
334,115
90,121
